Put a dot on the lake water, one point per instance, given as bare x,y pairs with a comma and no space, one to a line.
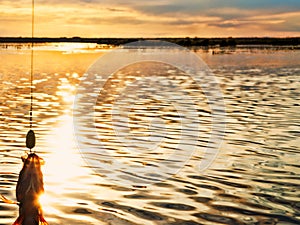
255,178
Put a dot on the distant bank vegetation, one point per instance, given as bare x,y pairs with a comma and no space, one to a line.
196,41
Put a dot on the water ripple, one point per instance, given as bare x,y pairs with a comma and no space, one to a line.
254,180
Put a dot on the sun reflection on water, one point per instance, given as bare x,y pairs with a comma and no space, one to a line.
63,166
66,90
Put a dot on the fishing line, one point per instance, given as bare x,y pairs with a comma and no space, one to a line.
30,137
31,62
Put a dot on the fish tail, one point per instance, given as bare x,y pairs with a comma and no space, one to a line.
42,220
19,221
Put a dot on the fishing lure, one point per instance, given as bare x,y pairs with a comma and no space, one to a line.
29,188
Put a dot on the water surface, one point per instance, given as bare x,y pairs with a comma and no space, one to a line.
254,180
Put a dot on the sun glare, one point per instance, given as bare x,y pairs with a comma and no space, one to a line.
65,90
73,47
63,166
45,201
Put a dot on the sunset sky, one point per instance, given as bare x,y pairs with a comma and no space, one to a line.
151,18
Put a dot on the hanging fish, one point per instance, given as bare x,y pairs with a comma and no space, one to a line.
29,187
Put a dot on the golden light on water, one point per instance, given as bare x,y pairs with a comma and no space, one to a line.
65,173
261,140
66,91
72,47
63,167
45,201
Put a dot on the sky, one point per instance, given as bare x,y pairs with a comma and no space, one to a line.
151,18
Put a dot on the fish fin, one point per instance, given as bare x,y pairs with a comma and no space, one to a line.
19,221
42,220
5,200
24,157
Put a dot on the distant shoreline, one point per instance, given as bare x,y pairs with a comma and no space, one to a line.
204,42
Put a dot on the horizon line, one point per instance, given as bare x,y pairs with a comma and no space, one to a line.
155,37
